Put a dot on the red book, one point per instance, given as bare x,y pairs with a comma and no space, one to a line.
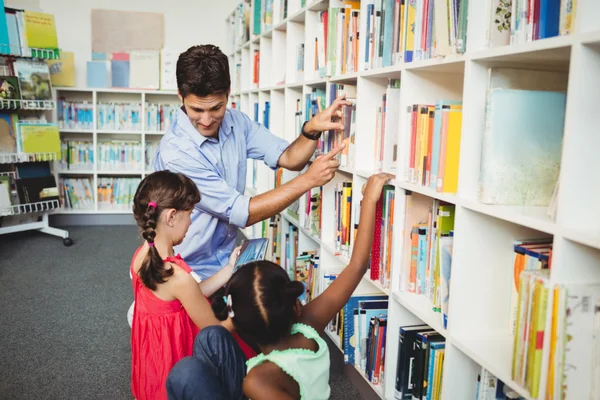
376,247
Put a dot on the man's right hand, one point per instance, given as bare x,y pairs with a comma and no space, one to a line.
324,167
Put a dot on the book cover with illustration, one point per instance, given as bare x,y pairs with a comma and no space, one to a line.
9,88
34,80
252,250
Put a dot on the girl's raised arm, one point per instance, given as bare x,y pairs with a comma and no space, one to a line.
319,312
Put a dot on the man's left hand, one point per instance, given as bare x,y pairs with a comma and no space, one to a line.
324,120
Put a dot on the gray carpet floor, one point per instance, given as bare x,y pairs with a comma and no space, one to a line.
63,326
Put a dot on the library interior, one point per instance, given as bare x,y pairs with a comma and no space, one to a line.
253,108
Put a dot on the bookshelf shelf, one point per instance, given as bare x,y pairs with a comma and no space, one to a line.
84,131
290,219
483,235
427,191
376,284
75,172
118,132
420,306
493,351
532,217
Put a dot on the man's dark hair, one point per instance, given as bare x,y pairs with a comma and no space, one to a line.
202,71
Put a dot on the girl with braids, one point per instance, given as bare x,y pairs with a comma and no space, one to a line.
263,303
170,305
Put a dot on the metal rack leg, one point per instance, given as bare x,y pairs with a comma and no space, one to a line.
55,231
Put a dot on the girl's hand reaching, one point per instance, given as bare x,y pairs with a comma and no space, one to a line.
372,189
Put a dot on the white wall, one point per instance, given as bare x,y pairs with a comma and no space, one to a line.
187,23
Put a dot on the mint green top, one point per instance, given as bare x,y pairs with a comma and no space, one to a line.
308,368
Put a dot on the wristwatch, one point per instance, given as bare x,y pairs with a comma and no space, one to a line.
308,135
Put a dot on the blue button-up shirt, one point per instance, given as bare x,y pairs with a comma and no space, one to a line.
218,167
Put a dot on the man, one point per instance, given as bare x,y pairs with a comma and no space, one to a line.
210,144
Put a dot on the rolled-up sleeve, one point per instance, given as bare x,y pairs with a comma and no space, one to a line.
262,144
216,196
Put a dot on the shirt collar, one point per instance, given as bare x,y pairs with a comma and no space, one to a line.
186,125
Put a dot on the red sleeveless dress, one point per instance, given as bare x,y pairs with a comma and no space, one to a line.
162,333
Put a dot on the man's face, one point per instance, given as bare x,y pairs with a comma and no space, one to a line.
206,113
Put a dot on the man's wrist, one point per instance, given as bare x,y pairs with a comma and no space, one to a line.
304,182
309,129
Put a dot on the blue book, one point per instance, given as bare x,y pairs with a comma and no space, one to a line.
388,32
120,73
433,348
13,34
97,74
422,260
549,18
252,250
4,38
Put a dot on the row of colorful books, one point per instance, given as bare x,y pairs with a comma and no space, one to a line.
75,114
362,329
420,363
79,155
76,193
79,115
428,243
76,155
362,35
120,155
434,152
518,22
565,318
119,116
116,192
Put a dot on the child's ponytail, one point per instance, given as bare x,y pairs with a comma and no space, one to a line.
152,271
160,191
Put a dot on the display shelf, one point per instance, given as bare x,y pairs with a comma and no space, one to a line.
10,158
29,208
145,134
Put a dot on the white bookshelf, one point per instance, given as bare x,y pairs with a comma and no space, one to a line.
477,334
96,135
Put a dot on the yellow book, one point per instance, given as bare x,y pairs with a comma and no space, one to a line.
538,339
42,138
409,34
452,152
40,30
553,343
62,70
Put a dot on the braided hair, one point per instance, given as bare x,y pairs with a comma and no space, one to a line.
262,302
160,191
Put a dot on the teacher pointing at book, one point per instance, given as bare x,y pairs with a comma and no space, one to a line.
211,143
